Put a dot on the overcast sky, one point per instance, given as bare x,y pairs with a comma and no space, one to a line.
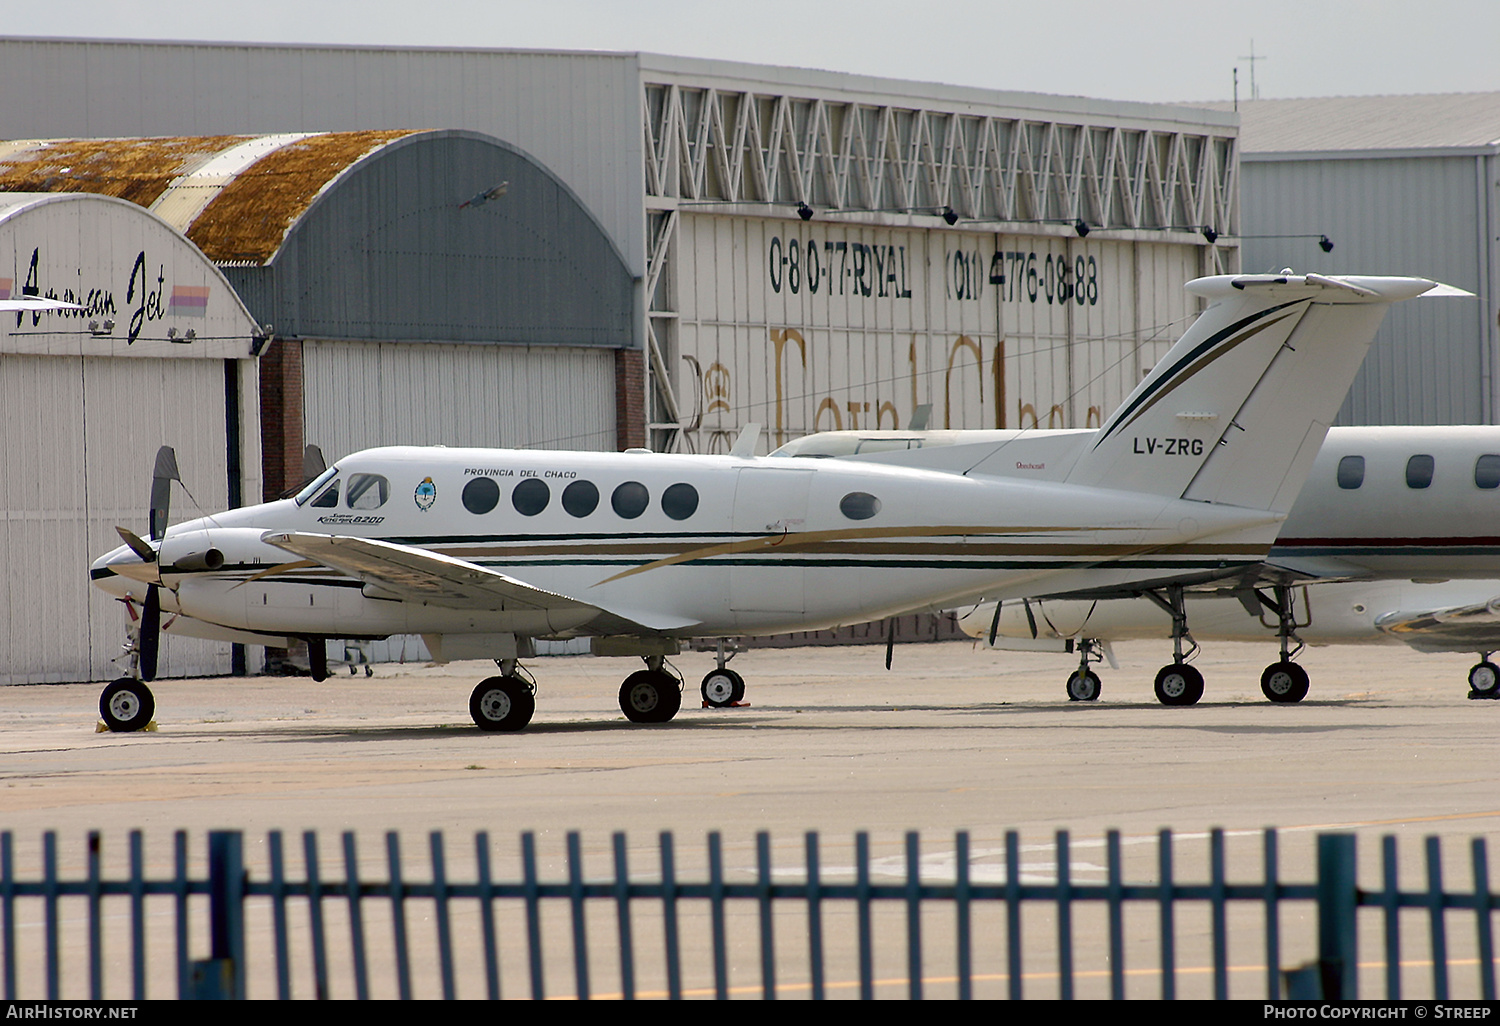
1156,50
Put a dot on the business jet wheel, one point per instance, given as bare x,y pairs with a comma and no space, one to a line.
126,705
1484,680
722,688
502,703
1083,686
1284,682
650,696
1178,684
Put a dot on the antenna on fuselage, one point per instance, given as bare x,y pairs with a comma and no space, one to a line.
744,445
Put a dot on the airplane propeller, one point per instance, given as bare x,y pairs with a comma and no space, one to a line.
162,476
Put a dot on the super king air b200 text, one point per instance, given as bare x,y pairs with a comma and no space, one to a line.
484,550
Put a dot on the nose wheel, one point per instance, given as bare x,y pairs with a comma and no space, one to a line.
1484,678
1083,683
722,688
126,705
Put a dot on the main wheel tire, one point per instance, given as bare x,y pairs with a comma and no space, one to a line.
1484,680
126,704
1083,686
1284,682
502,703
650,696
722,687
1178,684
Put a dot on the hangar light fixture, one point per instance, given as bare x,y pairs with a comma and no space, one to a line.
804,211
1081,227
1324,242
950,216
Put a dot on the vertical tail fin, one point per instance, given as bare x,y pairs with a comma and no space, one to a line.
1237,409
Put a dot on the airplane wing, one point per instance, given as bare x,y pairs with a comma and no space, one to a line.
1471,628
406,573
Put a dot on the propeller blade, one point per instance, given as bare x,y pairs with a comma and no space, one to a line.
162,477
137,544
150,633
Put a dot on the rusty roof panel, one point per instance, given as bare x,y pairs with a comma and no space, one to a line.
250,216
138,170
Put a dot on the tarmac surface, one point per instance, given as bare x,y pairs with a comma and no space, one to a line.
954,738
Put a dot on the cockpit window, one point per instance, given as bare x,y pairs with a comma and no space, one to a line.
311,488
367,491
329,499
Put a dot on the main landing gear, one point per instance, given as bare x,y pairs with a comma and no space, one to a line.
505,702
1177,683
1484,678
652,695
1284,681
722,687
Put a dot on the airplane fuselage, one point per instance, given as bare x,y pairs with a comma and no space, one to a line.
675,545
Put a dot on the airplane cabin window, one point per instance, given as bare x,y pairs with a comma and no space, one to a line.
329,499
1487,471
1351,471
311,488
630,499
1419,471
859,505
679,501
580,498
481,494
367,491
531,496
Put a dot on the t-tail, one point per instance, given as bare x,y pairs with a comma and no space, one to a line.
1237,409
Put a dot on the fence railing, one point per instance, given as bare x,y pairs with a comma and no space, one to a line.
806,931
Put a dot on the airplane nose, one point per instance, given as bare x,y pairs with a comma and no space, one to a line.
122,562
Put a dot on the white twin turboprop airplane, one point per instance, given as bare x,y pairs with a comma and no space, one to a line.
483,550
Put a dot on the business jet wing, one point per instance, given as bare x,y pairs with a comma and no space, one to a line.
1470,628
406,573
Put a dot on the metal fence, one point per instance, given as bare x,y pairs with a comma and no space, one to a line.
802,932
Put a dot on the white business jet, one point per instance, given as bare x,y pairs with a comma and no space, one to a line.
483,550
1407,515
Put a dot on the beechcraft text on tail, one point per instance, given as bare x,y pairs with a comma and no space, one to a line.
483,551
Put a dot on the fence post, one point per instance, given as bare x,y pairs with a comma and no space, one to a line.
222,974
1338,961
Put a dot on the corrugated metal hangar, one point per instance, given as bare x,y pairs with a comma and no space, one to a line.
162,349
603,250
1401,185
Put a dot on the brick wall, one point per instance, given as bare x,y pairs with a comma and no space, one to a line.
281,416
630,399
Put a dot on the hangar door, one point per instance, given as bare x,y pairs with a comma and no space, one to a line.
81,434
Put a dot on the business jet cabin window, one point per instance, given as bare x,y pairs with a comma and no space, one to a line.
1351,472
1487,471
1419,471
367,491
